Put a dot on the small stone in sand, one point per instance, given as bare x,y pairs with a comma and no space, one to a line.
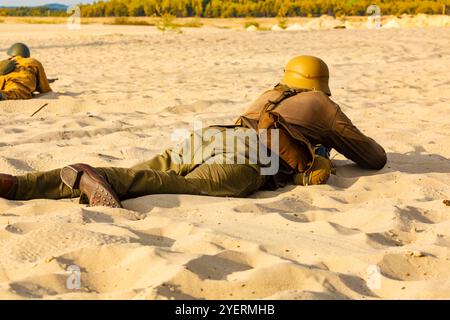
416,254
447,203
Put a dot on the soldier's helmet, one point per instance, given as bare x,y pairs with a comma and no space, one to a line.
307,72
19,49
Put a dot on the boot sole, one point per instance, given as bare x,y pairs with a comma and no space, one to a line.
103,195
71,177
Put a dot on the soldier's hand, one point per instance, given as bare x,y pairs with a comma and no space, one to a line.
7,66
317,174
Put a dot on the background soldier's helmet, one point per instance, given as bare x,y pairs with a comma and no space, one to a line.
307,72
19,49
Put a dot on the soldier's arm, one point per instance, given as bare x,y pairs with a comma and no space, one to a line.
354,145
43,83
7,66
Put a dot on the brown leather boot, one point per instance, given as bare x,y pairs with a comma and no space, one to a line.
86,179
7,184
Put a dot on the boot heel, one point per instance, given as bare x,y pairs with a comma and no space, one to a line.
71,177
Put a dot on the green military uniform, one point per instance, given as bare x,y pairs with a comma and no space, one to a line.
162,175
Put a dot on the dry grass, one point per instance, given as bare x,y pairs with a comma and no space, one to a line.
35,20
130,21
191,23
169,23
228,23
222,23
166,22
250,23
41,21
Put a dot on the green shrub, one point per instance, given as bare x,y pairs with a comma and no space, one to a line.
166,23
282,22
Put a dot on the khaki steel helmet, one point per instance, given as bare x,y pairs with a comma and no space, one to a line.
307,72
19,49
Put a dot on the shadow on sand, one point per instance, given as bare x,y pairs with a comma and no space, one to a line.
413,162
56,95
348,173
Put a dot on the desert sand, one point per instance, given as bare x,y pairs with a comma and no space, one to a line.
121,93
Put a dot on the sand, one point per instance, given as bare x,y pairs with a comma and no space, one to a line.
121,93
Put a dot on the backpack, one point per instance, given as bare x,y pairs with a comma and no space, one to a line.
294,149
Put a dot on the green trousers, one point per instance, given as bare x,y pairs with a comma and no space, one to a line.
160,175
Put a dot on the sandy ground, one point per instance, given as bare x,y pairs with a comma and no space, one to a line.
121,93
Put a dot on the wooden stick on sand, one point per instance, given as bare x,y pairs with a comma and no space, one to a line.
42,107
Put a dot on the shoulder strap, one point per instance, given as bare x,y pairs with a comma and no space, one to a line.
286,92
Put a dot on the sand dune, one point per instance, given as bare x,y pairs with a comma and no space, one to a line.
123,90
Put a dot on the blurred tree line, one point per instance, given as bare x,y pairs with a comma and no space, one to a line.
31,12
257,8
243,8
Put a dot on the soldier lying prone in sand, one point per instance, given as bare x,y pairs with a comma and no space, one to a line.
21,76
299,110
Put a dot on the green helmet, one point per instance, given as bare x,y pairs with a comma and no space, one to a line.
19,49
